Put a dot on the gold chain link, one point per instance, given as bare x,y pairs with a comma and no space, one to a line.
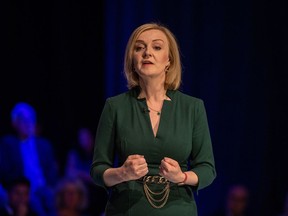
149,193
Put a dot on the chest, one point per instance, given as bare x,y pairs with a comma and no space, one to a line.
135,135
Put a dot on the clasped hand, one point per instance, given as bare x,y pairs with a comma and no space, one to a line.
171,170
136,167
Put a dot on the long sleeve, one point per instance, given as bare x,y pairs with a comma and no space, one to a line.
202,154
104,145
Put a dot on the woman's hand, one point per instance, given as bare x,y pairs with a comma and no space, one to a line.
171,170
134,168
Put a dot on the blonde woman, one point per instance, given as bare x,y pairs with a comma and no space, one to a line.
159,134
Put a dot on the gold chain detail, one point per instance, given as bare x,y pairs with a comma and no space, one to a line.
158,112
149,193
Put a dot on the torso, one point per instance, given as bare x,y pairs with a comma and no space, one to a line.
136,131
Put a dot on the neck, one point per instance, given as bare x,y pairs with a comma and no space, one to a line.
152,90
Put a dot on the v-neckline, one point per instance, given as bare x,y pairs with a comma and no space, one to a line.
163,115
155,133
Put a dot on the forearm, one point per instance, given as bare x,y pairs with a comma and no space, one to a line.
113,176
191,179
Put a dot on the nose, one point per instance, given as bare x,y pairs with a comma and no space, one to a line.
147,53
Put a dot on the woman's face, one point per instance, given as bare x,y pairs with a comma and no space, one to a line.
151,54
72,198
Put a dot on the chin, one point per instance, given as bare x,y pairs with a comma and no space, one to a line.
149,73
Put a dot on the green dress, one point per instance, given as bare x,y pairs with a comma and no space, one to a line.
125,129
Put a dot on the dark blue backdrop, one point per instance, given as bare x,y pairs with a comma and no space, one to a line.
66,57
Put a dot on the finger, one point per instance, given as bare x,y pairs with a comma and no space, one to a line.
170,161
134,163
165,165
136,156
161,169
142,166
141,171
138,161
162,172
141,160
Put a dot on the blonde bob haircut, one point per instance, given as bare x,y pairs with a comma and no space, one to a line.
173,74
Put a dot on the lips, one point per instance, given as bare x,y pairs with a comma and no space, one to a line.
147,62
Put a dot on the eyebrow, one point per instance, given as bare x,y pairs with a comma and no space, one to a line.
141,41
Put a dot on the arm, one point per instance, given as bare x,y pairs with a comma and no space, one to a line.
103,157
171,170
202,158
102,170
203,170
133,168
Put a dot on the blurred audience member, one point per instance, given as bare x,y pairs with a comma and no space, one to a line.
236,202
285,207
18,193
3,196
78,165
79,158
71,198
26,154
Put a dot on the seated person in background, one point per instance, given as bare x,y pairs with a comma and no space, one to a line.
71,198
18,193
3,196
79,158
236,202
26,154
78,166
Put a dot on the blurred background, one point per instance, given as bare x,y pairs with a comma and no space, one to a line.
66,57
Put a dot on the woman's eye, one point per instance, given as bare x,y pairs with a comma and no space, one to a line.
138,48
157,48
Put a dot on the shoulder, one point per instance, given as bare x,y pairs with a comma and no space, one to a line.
122,99
9,140
42,140
187,103
185,98
43,145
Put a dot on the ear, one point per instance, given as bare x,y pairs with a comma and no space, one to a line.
168,64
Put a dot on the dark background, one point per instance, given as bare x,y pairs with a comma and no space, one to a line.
65,58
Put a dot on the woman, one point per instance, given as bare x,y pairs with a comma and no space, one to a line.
78,165
159,135
71,198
